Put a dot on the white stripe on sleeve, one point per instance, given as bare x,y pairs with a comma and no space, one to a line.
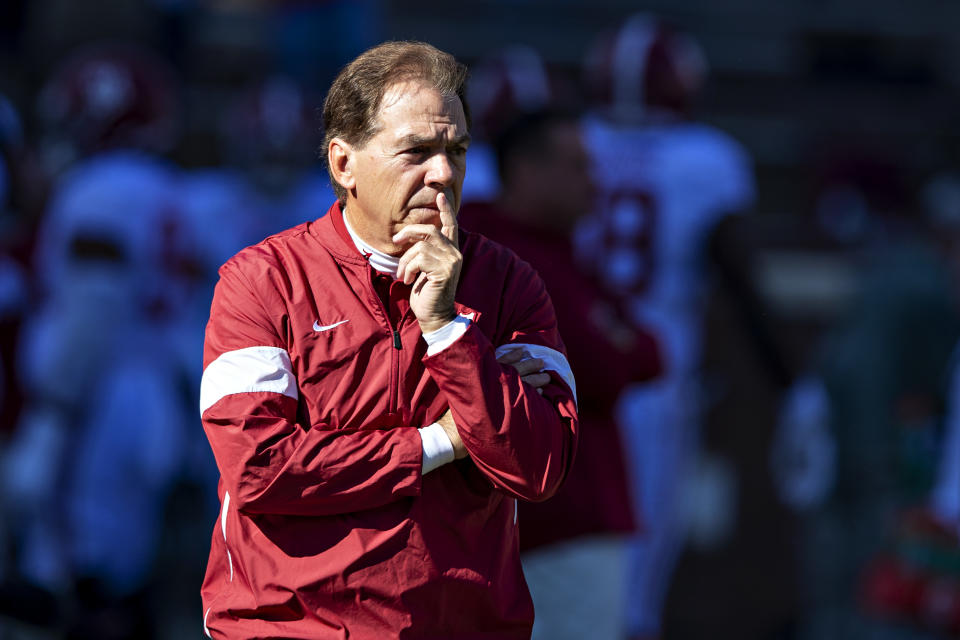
246,371
552,360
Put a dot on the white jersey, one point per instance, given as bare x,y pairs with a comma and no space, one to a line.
108,231
661,189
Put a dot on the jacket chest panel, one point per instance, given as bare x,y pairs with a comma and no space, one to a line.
344,354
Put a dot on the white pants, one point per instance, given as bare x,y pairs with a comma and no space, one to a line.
578,588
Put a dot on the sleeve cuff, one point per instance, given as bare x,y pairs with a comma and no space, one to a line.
446,335
437,448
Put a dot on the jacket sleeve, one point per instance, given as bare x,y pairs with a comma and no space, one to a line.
269,463
524,442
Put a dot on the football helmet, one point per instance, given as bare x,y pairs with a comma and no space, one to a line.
109,96
513,81
644,66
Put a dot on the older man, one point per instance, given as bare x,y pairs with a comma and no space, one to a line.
371,446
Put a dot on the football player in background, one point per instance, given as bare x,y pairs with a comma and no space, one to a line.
664,182
573,544
98,446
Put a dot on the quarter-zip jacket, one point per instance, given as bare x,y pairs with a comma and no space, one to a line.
313,390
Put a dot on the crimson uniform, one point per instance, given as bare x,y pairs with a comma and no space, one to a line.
316,379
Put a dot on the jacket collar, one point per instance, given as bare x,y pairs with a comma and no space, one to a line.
333,235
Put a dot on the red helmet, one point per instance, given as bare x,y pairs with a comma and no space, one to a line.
645,66
108,96
513,81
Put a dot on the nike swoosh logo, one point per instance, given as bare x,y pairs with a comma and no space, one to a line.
327,327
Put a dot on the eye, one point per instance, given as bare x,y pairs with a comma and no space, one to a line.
458,151
419,150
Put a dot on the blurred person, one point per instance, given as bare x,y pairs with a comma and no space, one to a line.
573,544
110,107
664,182
89,484
776,284
912,577
884,365
372,448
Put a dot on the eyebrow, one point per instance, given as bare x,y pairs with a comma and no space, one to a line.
413,140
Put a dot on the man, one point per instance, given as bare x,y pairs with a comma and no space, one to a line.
371,447
573,544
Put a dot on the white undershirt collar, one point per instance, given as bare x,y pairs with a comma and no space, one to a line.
379,260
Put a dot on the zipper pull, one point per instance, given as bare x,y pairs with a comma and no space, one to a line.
396,340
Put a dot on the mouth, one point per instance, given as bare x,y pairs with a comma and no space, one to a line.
423,214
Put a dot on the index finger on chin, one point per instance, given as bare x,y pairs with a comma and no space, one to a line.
411,234
448,220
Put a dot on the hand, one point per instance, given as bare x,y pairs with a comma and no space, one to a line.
450,428
432,264
530,369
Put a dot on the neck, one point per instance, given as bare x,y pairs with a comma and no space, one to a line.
372,235
382,262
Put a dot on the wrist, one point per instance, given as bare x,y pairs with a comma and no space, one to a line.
433,324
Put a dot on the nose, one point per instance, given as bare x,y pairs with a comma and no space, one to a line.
440,171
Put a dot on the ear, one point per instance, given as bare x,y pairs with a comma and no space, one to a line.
340,156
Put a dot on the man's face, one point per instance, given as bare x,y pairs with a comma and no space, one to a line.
418,151
568,170
555,183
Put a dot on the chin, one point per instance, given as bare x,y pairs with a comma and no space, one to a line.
423,215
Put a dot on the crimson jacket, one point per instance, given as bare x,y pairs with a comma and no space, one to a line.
313,389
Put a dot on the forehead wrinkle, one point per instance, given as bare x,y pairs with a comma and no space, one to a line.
441,136
397,91
394,94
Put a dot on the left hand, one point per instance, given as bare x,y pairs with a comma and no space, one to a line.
432,264
530,369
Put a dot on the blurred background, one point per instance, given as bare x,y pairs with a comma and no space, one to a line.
748,216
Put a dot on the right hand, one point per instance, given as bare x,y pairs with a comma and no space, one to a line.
431,263
531,372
